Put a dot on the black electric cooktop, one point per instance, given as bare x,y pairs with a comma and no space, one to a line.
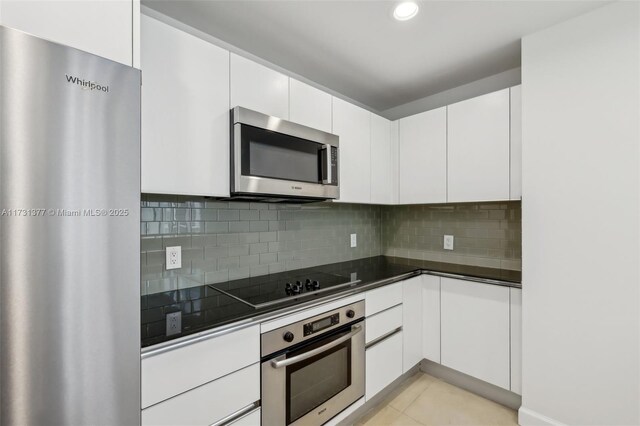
284,287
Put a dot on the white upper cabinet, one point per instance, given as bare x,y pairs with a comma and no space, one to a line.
478,148
516,143
475,330
423,157
102,27
185,113
309,106
352,124
259,88
384,157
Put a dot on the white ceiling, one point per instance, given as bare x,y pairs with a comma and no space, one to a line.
356,48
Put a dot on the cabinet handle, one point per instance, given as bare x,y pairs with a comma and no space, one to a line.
238,414
383,337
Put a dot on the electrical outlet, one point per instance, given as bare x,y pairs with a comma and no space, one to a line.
448,242
354,240
174,323
174,257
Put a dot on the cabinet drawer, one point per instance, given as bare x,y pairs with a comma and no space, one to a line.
209,403
383,322
383,298
176,371
383,364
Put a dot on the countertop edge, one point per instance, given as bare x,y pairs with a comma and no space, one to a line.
163,347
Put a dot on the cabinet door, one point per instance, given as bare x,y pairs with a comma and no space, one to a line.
478,148
383,364
259,88
411,322
516,340
431,318
309,106
383,161
102,27
516,143
423,157
352,124
185,113
475,330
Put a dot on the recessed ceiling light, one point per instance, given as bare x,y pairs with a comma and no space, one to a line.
405,11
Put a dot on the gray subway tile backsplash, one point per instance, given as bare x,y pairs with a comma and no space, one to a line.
226,240
485,234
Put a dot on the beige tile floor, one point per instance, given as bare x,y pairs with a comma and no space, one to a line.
426,400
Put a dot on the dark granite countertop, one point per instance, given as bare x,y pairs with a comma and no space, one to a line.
204,308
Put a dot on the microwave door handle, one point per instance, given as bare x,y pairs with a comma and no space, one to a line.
294,360
327,178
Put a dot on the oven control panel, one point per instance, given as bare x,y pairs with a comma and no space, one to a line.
310,328
321,324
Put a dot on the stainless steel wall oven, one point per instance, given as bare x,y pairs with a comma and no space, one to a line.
313,369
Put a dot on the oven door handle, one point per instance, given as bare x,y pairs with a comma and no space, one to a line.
293,360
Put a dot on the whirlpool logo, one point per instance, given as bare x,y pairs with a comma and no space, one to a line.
87,84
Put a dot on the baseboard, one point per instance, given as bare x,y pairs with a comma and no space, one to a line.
378,398
477,386
528,417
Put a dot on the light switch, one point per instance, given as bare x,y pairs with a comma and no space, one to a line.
354,240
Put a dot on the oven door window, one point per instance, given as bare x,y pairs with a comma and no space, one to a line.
312,382
276,156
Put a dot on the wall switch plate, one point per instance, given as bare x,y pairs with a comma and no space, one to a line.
354,240
174,323
448,242
174,257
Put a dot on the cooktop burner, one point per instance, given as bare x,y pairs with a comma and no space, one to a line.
282,287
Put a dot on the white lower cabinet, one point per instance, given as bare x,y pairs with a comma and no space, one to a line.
383,364
211,402
475,330
516,340
431,318
412,314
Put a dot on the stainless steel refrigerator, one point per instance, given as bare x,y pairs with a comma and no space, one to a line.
69,236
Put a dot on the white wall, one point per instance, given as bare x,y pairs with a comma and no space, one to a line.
108,28
581,280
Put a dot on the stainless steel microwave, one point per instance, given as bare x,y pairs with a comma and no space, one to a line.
276,160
